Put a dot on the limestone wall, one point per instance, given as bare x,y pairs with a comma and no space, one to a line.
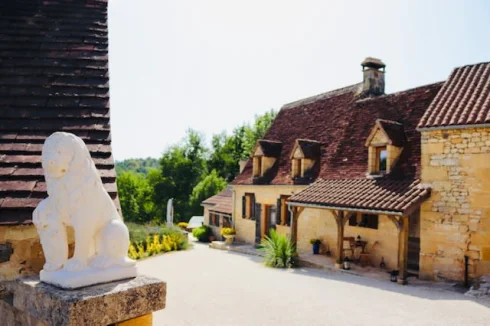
455,221
27,257
320,224
265,195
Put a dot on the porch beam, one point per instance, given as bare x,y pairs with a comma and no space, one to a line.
402,250
339,218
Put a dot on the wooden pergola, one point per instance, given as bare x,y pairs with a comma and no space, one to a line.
341,218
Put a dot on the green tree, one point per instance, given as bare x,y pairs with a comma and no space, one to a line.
181,168
135,196
138,165
207,187
256,131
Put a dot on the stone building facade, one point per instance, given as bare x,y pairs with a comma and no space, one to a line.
408,172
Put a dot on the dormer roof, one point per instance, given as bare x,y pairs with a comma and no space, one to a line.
307,148
268,148
391,131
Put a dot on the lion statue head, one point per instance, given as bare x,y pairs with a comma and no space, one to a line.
66,159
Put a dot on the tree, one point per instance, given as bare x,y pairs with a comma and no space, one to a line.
138,165
256,131
181,168
135,196
207,187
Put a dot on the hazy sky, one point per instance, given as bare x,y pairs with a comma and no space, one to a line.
212,65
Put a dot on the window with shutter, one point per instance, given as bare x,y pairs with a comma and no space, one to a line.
279,211
244,207
366,221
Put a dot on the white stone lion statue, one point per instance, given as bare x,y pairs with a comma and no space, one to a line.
77,198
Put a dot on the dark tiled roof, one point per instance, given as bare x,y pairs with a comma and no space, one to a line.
394,131
399,196
221,203
341,123
53,77
270,148
463,100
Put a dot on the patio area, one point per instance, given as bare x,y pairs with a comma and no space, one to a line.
320,261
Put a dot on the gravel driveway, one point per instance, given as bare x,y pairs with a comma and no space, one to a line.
212,287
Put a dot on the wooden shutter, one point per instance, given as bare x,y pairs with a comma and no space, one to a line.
372,221
279,211
254,209
244,206
288,217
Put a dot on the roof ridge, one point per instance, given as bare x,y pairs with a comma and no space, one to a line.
390,121
401,92
321,96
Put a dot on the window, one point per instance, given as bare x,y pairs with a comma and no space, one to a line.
226,222
381,159
257,167
283,215
364,221
213,219
248,205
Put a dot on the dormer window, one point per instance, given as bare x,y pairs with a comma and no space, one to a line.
385,143
381,159
265,155
304,158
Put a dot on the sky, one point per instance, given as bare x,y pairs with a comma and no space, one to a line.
213,65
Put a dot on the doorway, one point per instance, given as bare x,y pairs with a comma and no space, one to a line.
413,242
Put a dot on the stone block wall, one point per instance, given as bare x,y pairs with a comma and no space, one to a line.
455,220
25,256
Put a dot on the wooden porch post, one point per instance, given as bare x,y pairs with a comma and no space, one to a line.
339,218
294,225
402,250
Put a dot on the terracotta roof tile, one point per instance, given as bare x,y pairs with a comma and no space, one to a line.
221,203
53,76
394,130
398,196
341,122
270,148
463,100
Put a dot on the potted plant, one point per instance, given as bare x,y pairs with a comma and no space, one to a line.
228,234
316,245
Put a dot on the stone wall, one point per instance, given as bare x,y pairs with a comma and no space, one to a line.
455,219
25,257
320,224
265,195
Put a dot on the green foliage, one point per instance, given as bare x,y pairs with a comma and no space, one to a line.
315,241
207,187
256,132
202,233
279,250
188,172
135,196
137,165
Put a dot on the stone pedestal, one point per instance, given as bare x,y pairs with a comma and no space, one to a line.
32,302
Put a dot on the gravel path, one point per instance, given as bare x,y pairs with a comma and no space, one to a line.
212,287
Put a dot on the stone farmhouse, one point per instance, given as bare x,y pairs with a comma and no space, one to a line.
408,172
218,211
53,77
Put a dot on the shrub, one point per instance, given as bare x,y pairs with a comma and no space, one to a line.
279,250
151,240
183,225
202,233
315,241
228,231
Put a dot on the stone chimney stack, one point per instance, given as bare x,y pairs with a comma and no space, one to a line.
374,77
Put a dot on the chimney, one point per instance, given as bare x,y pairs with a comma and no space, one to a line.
374,77
242,164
